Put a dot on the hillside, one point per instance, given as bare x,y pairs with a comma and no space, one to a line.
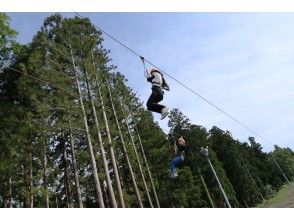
283,199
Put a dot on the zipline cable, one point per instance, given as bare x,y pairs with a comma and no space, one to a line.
181,83
183,86
191,90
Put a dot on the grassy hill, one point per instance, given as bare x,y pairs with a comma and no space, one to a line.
283,199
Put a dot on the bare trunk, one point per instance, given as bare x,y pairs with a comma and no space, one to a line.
206,189
74,162
56,200
7,201
148,170
137,156
134,183
112,155
245,203
66,174
108,180
254,183
9,193
92,156
26,200
45,178
105,195
31,200
120,176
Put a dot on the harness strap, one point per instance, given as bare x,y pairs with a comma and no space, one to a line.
144,66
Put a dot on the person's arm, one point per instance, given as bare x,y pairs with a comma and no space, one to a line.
145,68
183,140
175,147
184,145
147,72
150,78
165,85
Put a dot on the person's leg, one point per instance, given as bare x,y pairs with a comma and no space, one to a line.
173,167
175,163
152,103
160,108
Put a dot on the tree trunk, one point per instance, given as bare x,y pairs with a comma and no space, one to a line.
203,183
26,202
66,174
134,183
137,156
205,188
92,156
31,198
56,200
7,200
120,176
254,183
105,195
148,170
245,203
112,155
107,174
45,178
74,162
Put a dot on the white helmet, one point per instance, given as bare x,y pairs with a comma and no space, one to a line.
154,70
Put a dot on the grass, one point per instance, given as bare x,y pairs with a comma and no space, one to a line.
284,198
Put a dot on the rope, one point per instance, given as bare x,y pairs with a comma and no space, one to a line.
144,66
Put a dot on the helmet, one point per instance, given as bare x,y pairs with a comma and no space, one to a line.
154,70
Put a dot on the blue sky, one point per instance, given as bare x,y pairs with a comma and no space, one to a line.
242,62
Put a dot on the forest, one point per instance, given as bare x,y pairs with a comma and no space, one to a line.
74,134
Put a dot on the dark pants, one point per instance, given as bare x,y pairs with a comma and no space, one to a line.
155,97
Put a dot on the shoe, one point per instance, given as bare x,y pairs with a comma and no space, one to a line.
174,175
164,112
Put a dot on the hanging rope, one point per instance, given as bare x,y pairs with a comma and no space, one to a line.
144,66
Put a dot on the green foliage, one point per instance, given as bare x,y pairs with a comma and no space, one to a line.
281,199
7,41
40,111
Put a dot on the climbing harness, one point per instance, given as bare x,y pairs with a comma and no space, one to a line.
165,86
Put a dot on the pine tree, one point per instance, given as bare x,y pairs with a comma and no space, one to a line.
74,134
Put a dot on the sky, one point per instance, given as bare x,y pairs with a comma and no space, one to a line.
241,62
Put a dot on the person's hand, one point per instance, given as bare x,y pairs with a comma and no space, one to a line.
166,88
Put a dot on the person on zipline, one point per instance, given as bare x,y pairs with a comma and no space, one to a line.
180,148
158,84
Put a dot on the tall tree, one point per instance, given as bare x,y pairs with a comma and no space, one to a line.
54,92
